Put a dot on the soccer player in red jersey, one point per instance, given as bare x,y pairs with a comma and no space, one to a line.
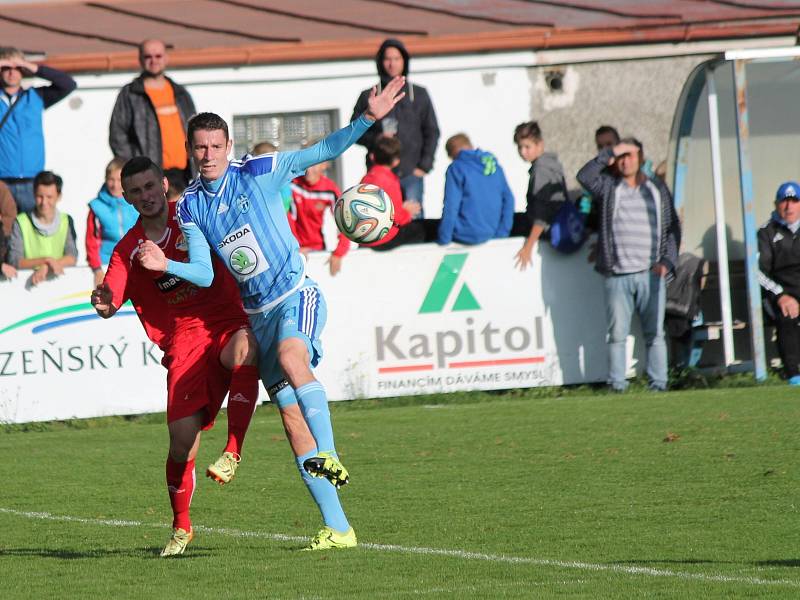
313,197
209,349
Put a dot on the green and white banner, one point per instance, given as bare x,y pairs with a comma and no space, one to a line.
424,319
59,360
419,319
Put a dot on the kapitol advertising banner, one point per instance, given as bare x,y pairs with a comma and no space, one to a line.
424,319
418,319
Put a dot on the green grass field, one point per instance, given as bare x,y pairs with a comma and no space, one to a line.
679,495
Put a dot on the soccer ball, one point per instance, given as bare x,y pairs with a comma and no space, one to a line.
364,213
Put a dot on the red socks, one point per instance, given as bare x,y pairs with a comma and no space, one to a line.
242,400
180,483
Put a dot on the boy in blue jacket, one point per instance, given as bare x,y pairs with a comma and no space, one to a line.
478,204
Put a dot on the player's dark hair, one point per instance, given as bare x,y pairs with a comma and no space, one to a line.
140,164
177,183
527,130
386,150
48,178
604,129
206,121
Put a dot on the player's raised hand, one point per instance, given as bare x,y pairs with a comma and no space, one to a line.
379,105
151,257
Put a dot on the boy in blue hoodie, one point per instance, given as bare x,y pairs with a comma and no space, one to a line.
478,204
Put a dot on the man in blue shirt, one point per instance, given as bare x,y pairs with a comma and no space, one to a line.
21,112
236,208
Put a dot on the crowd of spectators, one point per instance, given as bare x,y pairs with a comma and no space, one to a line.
623,198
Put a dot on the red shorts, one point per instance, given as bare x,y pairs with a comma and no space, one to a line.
196,379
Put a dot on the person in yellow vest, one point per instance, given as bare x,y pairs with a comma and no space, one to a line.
45,239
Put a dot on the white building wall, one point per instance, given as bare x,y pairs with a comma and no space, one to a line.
485,96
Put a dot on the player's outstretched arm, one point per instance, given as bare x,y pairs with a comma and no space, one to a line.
378,106
198,270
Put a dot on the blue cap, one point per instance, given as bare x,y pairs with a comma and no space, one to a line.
788,189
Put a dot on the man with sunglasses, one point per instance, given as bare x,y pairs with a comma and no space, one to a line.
779,275
21,131
150,115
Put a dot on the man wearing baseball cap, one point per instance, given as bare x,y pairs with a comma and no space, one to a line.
779,275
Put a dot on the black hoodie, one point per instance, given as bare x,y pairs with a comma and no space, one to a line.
417,128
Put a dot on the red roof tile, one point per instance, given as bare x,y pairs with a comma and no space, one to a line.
102,35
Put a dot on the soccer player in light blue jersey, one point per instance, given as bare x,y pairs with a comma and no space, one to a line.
235,207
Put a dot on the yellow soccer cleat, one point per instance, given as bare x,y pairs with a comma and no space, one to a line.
224,468
325,464
178,542
328,539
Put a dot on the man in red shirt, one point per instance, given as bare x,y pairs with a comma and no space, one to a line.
204,333
313,196
385,155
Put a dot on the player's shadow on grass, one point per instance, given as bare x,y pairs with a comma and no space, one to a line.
64,554
788,562
672,561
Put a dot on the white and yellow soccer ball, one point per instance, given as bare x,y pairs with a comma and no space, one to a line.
364,213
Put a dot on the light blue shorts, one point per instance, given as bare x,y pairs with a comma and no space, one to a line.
302,315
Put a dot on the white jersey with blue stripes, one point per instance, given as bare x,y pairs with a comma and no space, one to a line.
243,219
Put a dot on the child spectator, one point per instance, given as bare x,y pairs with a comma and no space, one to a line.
110,217
313,196
384,157
8,214
176,184
478,204
547,191
45,239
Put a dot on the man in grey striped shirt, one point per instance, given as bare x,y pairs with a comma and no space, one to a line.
637,249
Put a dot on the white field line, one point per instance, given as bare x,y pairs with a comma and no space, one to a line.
461,554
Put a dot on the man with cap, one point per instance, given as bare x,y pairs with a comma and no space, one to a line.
779,275
412,121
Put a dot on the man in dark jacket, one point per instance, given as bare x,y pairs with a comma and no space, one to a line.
637,248
779,275
412,120
21,112
150,115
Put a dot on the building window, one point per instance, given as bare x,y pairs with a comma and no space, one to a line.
286,131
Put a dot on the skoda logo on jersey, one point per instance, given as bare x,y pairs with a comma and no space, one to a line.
243,203
243,260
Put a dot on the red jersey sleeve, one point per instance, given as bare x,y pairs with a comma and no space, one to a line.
117,278
392,188
93,238
344,244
